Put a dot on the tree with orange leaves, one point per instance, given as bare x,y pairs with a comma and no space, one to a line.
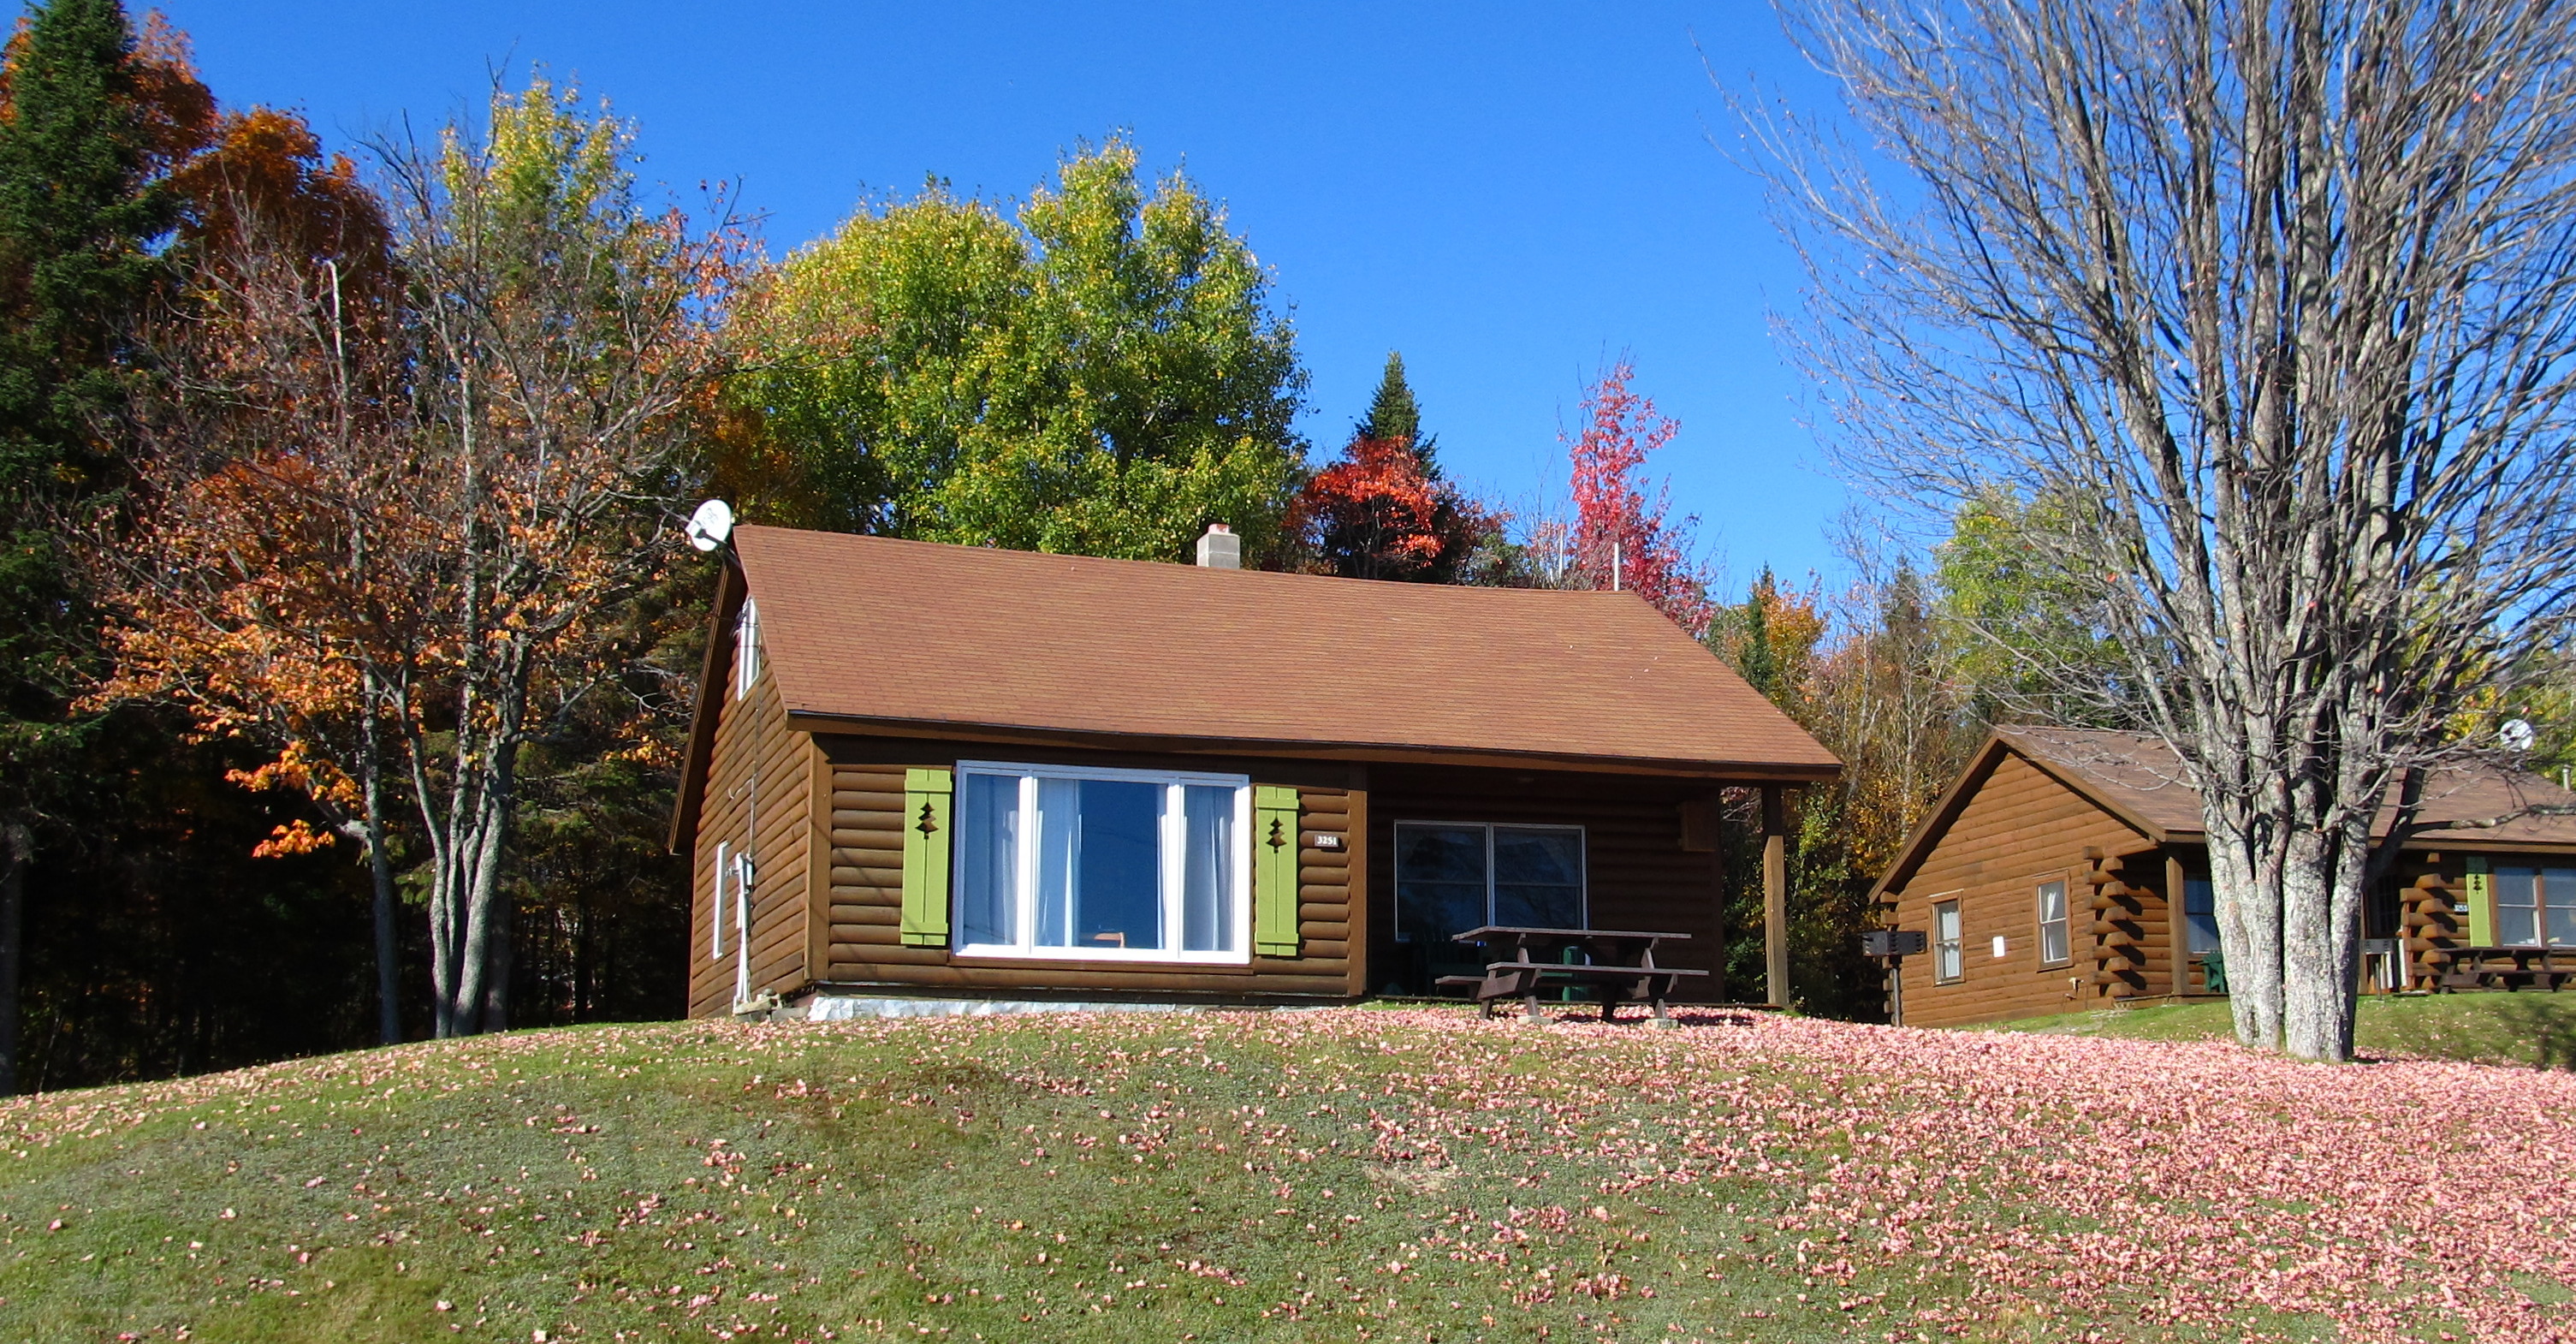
1384,511
391,527
270,490
559,336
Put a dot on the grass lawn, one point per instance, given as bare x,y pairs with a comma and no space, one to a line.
2529,1028
1351,1174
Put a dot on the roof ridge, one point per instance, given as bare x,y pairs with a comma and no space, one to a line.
1181,566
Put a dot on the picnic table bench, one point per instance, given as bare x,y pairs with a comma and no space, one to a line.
2471,968
1622,968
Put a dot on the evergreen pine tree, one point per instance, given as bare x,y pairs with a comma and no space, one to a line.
80,213
1393,414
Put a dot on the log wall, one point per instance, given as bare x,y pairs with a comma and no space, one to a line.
857,924
2022,828
1637,876
762,776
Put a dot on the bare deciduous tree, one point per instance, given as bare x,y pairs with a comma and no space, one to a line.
2270,299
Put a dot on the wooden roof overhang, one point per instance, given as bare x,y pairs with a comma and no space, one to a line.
1719,773
712,665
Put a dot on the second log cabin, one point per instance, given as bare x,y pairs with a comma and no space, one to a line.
2066,869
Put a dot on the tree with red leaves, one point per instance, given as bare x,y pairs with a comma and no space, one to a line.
1380,513
1620,537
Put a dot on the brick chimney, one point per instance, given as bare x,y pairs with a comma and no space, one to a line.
1220,548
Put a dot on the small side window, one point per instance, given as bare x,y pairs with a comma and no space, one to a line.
2055,948
746,650
1946,955
716,919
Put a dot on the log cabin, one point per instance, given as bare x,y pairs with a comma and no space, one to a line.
2067,869
935,778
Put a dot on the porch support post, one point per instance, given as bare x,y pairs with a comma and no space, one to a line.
1775,896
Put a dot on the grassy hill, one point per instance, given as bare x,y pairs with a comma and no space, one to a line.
1347,1175
2531,1029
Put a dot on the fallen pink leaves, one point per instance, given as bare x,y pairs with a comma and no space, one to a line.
2109,1179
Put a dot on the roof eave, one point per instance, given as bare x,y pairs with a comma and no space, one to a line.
1945,811
700,753
1762,772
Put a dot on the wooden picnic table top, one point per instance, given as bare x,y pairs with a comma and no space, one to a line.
1626,949
2519,954
1522,977
1494,933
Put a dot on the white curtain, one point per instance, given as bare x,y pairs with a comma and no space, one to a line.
988,847
1207,868
1059,859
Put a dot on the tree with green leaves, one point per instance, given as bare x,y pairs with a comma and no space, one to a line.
2017,628
1101,374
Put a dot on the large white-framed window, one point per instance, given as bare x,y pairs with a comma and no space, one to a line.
1948,959
1077,863
1454,876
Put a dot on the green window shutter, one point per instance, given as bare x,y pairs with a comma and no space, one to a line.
1274,871
2481,889
928,796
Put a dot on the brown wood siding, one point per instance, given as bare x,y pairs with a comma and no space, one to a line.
1637,875
760,772
863,904
2020,829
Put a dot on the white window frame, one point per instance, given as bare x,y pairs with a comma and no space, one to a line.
1582,879
716,907
1950,952
1172,838
746,650
2065,920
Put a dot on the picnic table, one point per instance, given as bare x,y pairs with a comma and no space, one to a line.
2469,967
1621,966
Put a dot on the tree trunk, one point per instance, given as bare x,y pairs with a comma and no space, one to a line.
2245,886
464,905
380,870
389,1030
2322,901
17,854
496,968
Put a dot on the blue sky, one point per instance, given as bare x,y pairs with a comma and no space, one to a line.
1508,194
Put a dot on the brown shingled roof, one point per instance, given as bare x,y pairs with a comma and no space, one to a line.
2137,776
899,634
